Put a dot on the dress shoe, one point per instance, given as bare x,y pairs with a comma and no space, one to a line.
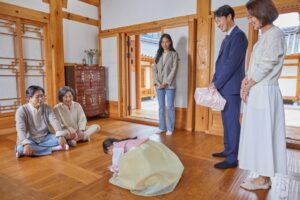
249,185
221,154
225,165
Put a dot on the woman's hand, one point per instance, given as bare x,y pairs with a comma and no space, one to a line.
244,82
62,141
245,89
158,85
244,95
80,135
72,135
164,85
27,150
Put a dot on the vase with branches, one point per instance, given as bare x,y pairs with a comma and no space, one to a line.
90,55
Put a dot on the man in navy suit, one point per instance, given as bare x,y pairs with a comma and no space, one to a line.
229,73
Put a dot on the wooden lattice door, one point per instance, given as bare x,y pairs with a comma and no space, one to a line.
22,63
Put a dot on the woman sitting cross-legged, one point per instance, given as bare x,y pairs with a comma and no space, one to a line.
72,117
32,123
144,167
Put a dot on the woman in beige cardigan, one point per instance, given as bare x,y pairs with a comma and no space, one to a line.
72,117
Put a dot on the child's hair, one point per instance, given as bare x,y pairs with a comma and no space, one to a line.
109,141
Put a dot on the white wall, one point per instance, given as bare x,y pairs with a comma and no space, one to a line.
118,13
32,4
288,87
81,8
77,38
110,61
215,4
180,42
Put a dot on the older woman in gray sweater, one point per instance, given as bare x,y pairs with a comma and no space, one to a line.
72,118
32,123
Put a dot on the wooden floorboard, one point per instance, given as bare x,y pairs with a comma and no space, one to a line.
81,173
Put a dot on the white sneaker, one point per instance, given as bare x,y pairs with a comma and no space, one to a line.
159,131
86,138
66,147
17,155
169,133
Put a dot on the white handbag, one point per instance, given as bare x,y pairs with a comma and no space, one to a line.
209,98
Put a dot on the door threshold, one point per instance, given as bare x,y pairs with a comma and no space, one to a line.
293,144
141,120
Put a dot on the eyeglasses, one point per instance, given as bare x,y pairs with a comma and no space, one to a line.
38,97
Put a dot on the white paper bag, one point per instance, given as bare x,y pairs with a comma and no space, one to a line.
209,98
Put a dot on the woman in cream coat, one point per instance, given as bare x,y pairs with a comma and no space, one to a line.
262,142
72,118
164,75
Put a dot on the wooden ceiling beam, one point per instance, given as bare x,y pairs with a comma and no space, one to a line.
92,2
64,3
24,13
79,18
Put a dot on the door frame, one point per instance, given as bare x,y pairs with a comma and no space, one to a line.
188,114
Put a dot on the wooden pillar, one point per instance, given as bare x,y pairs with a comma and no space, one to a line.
57,47
191,74
298,80
124,75
252,38
99,36
203,59
49,70
138,72
120,75
151,79
21,62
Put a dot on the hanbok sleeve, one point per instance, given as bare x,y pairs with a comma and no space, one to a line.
116,157
82,118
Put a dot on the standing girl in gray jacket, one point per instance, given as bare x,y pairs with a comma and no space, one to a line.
164,75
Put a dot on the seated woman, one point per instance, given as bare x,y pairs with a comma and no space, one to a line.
72,117
144,167
32,123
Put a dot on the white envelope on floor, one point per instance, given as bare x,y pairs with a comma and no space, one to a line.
209,98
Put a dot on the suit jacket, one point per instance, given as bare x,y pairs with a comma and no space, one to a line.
166,72
230,64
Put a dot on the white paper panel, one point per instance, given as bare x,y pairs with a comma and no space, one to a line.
110,61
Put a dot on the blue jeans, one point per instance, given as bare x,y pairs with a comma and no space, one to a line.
161,93
40,149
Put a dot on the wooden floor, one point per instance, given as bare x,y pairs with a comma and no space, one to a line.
80,173
145,114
